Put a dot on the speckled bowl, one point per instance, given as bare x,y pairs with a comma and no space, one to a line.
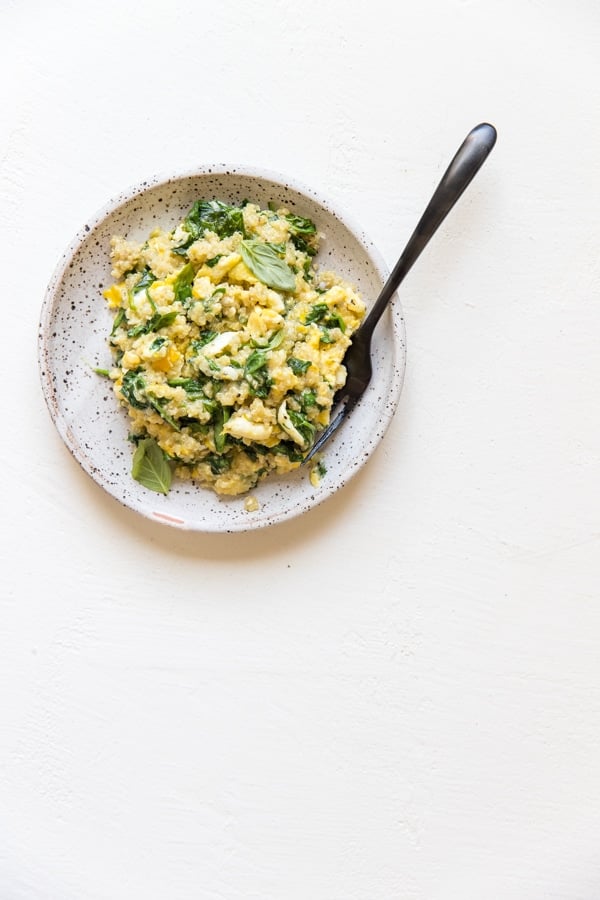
75,324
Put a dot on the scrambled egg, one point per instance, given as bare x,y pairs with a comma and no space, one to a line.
227,342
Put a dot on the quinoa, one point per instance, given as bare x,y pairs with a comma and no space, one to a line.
228,343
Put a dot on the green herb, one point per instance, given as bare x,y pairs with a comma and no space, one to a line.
308,398
322,315
158,405
155,323
117,322
218,464
150,467
278,248
205,338
194,425
191,386
133,389
211,263
104,372
264,262
256,373
303,425
157,343
289,449
325,336
180,251
213,215
145,281
221,416
148,278
271,343
182,286
214,297
257,360
321,469
298,366
302,233
317,313
299,225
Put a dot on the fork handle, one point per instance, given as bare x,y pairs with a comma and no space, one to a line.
469,158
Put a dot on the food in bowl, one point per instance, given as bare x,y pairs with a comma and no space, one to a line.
227,345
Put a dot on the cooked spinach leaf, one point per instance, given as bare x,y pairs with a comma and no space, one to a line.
289,449
222,414
148,278
300,225
218,464
271,343
182,286
117,321
299,366
308,398
158,405
155,323
303,425
211,263
213,215
133,388
256,373
321,314
302,234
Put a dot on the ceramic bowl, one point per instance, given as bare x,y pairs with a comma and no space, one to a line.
75,323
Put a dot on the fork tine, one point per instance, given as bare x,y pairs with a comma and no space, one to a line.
348,404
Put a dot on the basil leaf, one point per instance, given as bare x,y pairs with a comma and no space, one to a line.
150,467
279,248
264,262
182,286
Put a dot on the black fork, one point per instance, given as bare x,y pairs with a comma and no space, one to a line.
469,158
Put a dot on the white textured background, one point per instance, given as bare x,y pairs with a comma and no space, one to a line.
396,697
